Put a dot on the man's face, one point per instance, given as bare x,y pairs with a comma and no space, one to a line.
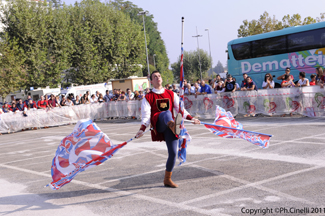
245,76
288,71
249,80
156,80
202,83
42,97
20,101
217,78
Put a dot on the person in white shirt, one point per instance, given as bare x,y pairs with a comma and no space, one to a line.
303,81
93,99
268,82
129,94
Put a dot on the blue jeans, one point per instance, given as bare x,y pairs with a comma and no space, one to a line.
170,138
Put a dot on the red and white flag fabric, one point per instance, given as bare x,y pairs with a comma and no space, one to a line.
226,126
86,147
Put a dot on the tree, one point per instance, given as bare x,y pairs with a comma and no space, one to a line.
154,41
218,68
191,65
267,24
12,68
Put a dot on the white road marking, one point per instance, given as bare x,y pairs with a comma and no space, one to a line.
256,185
124,193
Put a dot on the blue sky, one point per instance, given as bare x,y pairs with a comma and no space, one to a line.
222,18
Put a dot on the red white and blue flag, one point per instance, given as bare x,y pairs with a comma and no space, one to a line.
226,126
86,147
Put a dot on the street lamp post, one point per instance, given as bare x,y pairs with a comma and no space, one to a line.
209,48
198,49
145,39
154,61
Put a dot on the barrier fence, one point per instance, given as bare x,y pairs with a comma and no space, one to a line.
308,101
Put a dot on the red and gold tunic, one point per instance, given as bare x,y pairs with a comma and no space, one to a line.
154,103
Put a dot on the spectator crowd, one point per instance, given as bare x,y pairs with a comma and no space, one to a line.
200,87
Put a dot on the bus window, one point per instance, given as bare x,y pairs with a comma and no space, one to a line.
242,50
269,46
306,40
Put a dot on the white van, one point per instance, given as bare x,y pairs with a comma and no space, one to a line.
37,93
81,90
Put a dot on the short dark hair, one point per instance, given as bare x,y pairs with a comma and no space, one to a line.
153,73
287,68
312,76
244,74
302,74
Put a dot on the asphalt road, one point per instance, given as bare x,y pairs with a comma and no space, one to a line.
221,176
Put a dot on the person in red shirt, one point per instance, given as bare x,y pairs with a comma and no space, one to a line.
42,104
157,110
287,82
312,80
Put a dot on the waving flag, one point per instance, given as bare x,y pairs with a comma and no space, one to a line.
184,136
84,148
226,126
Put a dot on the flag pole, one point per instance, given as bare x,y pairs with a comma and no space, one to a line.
204,123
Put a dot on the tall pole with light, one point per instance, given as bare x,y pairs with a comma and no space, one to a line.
198,49
145,40
209,48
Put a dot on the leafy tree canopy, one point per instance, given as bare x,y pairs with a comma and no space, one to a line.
267,24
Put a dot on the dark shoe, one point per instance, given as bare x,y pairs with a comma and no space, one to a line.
168,180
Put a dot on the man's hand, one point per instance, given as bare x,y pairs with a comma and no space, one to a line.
196,121
139,134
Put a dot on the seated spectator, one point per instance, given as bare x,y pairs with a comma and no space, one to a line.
287,72
303,81
243,83
230,85
205,88
93,99
312,80
217,79
6,108
321,81
107,97
53,102
237,85
195,89
63,100
69,102
250,84
14,107
77,101
129,95
136,95
288,82
122,96
211,84
219,87
141,95
176,90
31,104
42,104
20,105
268,82
58,99
100,98
319,74
187,89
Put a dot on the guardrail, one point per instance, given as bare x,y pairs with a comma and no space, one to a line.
308,101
